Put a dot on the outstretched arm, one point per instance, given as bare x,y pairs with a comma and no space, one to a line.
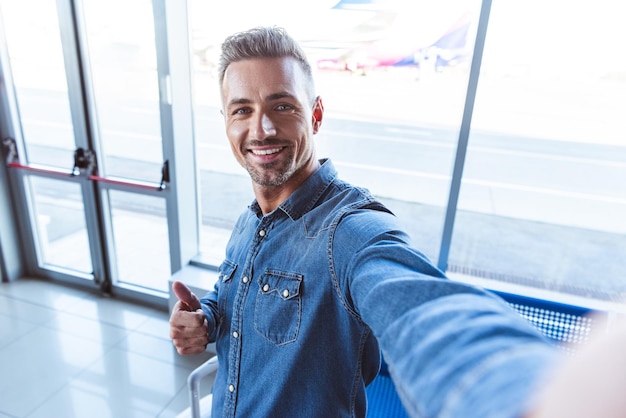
453,350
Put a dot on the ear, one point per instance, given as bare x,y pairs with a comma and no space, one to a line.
318,114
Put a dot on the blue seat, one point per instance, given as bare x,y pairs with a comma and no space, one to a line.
382,398
568,325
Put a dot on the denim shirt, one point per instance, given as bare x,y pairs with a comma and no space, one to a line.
309,296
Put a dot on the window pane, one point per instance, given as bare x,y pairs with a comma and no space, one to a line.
140,237
34,45
543,196
123,68
393,77
59,221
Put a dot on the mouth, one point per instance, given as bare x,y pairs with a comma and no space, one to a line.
268,151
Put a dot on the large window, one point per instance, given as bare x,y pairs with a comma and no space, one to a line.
543,199
392,76
541,202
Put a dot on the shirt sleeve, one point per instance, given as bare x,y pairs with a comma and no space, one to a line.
453,350
210,308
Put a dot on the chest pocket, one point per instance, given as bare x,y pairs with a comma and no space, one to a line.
278,307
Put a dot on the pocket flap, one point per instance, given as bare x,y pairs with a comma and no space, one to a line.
286,285
227,270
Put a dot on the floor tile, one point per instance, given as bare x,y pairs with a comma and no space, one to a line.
113,311
181,403
79,354
157,325
161,349
120,384
38,364
44,293
25,310
12,329
90,329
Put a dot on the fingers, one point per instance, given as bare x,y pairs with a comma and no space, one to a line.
191,345
182,318
186,296
191,350
189,342
189,331
188,327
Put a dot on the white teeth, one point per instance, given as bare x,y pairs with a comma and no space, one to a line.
265,151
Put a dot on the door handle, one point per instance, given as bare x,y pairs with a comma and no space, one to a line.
84,162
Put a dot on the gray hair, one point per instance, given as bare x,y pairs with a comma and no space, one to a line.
263,42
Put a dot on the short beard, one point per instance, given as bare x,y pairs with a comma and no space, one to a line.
274,179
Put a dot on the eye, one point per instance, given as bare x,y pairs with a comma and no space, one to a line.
283,107
241,111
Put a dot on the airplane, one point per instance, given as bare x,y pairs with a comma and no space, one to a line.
352,35
397,34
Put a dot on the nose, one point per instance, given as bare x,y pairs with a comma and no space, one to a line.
263,126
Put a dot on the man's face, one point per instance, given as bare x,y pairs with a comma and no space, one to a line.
270,120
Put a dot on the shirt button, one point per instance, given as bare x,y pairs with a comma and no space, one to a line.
285,293
245,279
266,287
235,334
231,388
262,232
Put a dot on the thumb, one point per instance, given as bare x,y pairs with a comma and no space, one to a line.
186,296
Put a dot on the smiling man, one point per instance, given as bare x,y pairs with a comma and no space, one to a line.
319,279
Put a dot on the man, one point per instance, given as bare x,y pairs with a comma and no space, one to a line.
319,279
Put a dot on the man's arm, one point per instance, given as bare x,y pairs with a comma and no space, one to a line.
466,355
453,350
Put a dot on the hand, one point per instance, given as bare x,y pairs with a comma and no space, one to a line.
188,325
592,382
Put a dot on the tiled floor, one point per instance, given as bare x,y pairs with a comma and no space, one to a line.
66,353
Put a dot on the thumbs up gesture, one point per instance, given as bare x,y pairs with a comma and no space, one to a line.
188,325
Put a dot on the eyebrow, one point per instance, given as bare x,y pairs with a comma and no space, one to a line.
234,102
278,96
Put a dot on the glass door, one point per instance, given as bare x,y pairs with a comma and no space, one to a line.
121,56
88,162
40,153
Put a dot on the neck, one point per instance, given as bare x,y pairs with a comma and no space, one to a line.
269,198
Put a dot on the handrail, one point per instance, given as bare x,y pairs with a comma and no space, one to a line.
38,169
114,181
137,184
